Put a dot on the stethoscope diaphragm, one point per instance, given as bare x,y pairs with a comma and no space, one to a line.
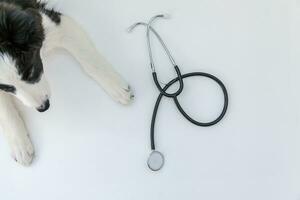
156,161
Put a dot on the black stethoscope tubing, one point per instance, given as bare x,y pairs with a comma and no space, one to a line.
162,91
181,110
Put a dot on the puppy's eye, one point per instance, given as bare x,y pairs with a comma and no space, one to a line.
8,88
28,75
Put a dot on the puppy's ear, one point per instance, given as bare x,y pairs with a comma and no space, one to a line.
20,30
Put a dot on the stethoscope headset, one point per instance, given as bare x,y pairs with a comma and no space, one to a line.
156,160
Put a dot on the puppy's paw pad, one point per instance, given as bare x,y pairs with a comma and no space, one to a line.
23,151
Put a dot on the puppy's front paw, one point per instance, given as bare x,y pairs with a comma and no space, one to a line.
123,95
120,91
22,150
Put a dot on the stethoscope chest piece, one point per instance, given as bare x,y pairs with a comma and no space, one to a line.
156,161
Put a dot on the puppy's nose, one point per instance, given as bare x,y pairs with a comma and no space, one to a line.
45,106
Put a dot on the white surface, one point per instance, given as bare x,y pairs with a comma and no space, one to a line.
89,147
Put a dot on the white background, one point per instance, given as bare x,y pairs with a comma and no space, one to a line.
89,147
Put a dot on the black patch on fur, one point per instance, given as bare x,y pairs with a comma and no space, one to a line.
24,4
8,88
22,36
54,15
51,13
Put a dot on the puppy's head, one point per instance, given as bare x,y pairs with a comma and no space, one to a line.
21,67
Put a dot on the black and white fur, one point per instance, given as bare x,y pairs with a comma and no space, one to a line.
28,31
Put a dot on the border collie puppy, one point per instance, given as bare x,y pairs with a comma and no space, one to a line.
28,30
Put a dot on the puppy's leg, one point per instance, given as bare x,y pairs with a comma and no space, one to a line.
15,131
70,36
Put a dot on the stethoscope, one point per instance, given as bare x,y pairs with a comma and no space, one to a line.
156,159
